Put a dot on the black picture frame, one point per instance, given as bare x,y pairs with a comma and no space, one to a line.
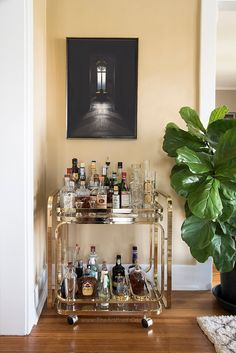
102,87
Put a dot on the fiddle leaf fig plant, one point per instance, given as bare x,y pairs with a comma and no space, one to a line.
205,175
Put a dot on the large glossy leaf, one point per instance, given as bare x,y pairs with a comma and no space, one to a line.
227,170
217,129
197,233
193,122
218,113
183,180
198,162
205,201
227,188
201,255
175,138
228,209
223,252
226,149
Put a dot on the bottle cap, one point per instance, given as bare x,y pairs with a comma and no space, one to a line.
93,248
124,175
82,165
135,248
120,164
74,160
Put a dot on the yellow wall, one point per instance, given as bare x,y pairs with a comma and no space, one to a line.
40,139
167,79
226,97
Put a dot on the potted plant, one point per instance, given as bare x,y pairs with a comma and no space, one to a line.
205,175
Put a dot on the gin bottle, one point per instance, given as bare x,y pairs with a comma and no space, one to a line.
67,194
104,291
70,284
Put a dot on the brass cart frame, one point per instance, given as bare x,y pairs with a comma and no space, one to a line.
159,219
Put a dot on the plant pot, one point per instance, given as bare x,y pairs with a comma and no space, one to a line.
228,286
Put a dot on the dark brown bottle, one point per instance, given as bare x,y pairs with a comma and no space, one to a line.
137,280
75,170
117,270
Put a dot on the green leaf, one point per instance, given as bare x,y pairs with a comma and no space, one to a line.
197,233
228,209
201,255
223,252
218,113
227,170
192,120
198,162
226,149
227,188
205,201
183,180
175,138
217,129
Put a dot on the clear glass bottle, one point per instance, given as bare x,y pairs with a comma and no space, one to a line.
136,186
67,194
82,172
82,196
101,194
124,192
91,183
104,290
70,282
92,262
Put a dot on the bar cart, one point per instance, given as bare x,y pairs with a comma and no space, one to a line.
157,293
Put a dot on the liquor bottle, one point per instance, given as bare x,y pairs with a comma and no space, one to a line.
124,192
116,198
101,194
67,194
75,170
104,290
110,191
92,262
134,258
136,186
119,172
82,196
87,285
118,269
137,280
79,269
108,163
92,173
104,174
82,172
149,185
70,285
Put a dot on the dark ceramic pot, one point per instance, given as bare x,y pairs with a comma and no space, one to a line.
228,286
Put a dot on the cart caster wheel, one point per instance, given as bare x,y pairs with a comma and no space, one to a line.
147,322
72,319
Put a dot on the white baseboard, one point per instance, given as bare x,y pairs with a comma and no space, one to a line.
192,277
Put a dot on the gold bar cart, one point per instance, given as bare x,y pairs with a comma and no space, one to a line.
158,283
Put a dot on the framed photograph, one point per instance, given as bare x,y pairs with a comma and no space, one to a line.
102,87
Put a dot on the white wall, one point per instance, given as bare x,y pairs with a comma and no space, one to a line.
17,313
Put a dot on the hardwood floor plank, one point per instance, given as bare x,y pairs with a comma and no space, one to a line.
174,331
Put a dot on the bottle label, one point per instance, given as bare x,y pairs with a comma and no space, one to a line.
125,199
116,201
102,201
87,289
75,176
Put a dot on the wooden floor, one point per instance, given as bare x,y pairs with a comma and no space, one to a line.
174,331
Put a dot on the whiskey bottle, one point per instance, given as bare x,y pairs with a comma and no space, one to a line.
87,285
104,174
82,196
82,172
137,280
75,170
101,194
110,191
117,270
124,192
